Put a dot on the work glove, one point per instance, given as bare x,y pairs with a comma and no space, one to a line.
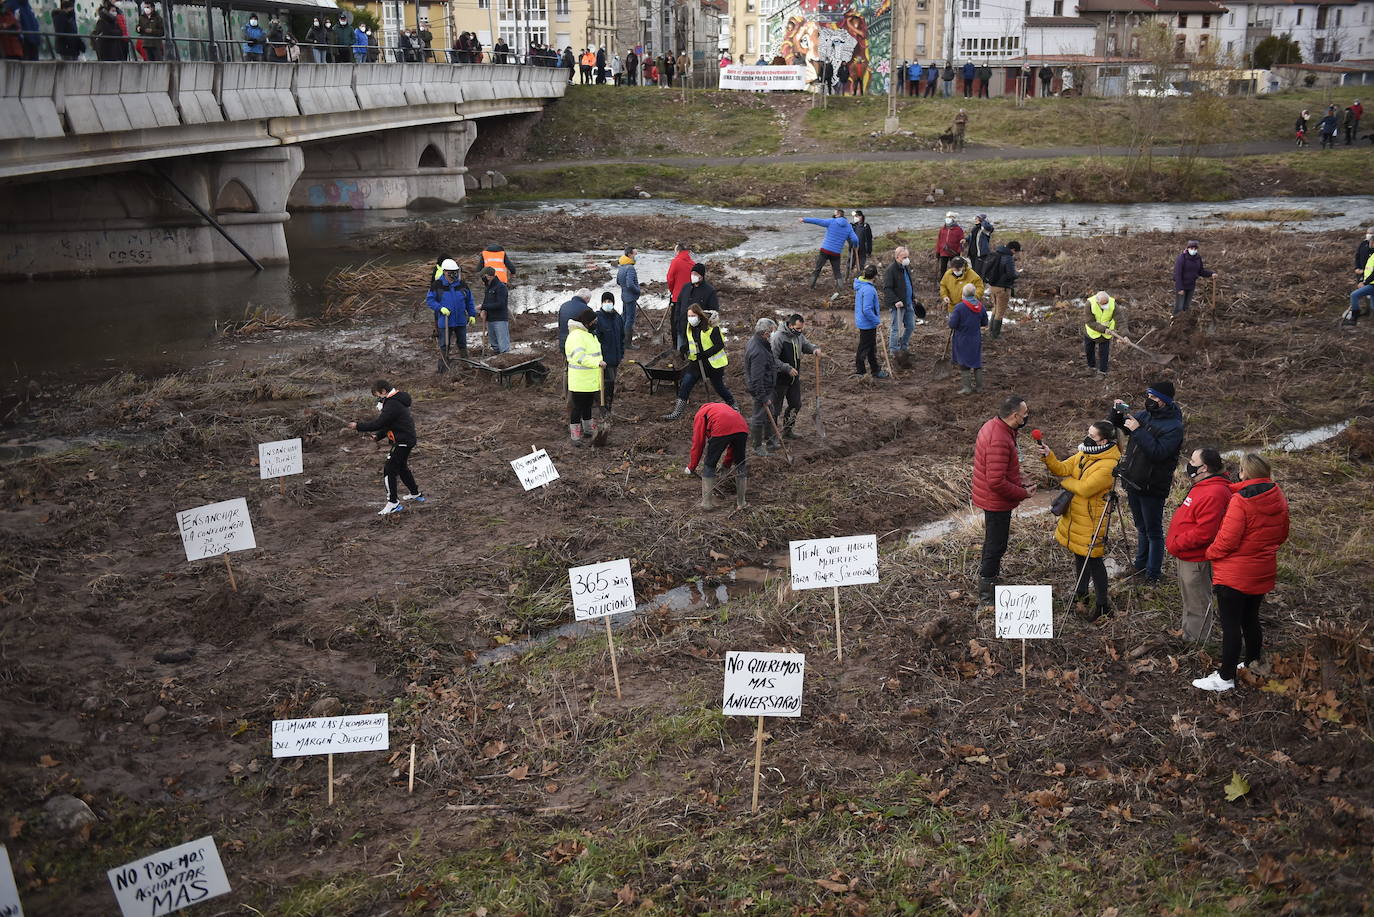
445,311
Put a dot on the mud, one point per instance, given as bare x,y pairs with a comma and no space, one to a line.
391,613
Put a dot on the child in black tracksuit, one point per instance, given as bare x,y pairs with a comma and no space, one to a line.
393,423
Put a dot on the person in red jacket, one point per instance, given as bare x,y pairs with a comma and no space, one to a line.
997,486
1191,533
679,275
1244,559
720,430
948,243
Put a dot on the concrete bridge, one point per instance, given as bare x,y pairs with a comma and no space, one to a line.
98,160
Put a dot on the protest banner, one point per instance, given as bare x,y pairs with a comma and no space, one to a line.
535,470
330,735
820,562
215,530
766,78
1024,613
763,684
9,891
170,880
599,591
279,459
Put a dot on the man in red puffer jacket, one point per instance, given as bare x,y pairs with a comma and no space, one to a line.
997,486
1244,560
1191,533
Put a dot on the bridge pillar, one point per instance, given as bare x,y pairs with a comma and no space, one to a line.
411,167
116,221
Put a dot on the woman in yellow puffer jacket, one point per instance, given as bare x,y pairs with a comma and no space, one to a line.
1088,476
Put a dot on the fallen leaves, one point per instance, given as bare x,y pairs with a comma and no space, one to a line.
1237,788
564,851
48,761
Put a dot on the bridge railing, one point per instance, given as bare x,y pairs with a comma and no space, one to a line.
52,99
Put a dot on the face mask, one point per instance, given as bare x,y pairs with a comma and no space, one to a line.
694,320
959,273
949,222
1154,407
252,22
1090,442
906,262
1192,469
696,278
608,307
1192,251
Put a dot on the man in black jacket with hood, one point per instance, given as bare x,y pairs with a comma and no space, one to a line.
696,291
1147,470
394,424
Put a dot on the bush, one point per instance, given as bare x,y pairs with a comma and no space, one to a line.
1276,49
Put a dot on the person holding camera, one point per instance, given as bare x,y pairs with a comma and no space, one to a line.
1244,560
1192,531
1147,470
1082,528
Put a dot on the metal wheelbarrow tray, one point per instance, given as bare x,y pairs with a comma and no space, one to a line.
661,375
531,371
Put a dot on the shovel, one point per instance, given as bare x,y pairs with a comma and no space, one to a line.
1161,359
443,343
773,422
943,368
816,411
603,429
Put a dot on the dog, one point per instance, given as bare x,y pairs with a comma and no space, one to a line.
945,142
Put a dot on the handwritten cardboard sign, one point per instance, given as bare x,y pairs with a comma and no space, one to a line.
279,459
9,892
820,563
330,735
535,470
602,589
219,528
764,684
168,881
1024,612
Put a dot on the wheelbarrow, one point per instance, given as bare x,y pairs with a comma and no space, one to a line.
531,371
660,375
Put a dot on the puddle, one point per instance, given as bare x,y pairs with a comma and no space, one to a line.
688,597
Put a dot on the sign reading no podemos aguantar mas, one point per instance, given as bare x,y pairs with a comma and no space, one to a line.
171,880
330,735
219,528
279,459
820,563
1024,612
764,684
602,589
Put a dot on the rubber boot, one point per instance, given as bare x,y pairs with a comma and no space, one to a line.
708,489
575,432
978,380
996,331
463,352
789,422
756,436
741,486
986,594
966,377
589,430
677,410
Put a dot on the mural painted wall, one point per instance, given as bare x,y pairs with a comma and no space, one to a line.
837,31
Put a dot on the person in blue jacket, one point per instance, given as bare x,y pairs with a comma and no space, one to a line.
966,323
450,298
913,78
610,331
932,74
837,233
254,39
969,73
866,319
360,45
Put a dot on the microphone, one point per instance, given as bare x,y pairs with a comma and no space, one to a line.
1035,435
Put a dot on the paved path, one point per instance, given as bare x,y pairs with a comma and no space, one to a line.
1216,150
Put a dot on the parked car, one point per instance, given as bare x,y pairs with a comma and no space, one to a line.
1157,90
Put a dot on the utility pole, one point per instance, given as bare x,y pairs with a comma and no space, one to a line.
890,125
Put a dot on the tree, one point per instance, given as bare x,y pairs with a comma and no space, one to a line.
1276,49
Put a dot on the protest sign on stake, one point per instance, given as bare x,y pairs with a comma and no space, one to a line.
170,880
1024,613
215,530
820,562
9,891
763,684
330,735
279,459
535,470
599,591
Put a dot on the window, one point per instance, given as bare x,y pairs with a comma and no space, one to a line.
920,38
922,4
562,9
1230,48
749,39
971,9
1180,48
484,4
989,48
1206,20
748,6
1299,22
1230,19
1202,44
1183,20
1111,44
1338,16
1059,7
1321,17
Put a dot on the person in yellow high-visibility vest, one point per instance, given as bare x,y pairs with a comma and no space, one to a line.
583,351
1102,318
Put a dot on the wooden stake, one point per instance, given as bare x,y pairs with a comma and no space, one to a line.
610,643
1023,664
228,566
410,788
839,638
330,765
281,486
758,762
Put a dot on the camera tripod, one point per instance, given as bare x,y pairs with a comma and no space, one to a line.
1102,534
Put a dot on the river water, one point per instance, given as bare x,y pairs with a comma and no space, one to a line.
89,327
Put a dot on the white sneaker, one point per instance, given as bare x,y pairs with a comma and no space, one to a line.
1213,682
418,498
391,508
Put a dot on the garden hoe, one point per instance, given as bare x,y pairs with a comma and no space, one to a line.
1161,359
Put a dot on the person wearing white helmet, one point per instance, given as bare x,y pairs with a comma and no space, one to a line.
450,299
